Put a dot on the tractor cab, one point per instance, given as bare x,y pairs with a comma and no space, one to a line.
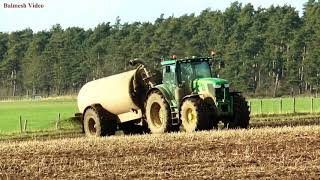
193,76
185,71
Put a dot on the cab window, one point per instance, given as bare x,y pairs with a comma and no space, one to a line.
169,73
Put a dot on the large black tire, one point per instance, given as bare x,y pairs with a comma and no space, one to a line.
210,111
194,116
241,113
96,123
158,113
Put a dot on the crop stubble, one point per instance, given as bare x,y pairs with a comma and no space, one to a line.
268,152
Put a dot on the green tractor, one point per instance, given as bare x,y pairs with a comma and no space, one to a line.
191,99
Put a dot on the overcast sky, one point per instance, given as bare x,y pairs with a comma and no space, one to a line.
88,13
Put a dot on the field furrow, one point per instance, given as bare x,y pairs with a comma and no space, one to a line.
267,152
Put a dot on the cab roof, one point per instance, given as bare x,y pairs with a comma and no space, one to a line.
185,60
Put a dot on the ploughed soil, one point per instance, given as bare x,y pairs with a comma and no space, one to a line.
283,152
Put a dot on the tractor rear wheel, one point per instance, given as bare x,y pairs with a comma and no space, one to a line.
96,123
193,116
241,113
158,113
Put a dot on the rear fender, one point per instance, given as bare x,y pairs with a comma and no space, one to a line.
164,92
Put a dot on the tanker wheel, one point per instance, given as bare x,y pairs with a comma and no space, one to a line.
158,113
95,123
193,116
241,113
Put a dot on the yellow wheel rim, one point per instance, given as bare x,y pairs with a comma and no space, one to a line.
161,115
191,116
157,115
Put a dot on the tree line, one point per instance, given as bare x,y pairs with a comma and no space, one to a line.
262,51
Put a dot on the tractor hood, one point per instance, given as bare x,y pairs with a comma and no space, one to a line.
214,81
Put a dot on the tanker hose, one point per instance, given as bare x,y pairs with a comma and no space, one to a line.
136,61
147,75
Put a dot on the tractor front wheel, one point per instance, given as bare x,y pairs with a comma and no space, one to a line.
193,116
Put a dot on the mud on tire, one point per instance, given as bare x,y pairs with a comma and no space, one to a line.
241,113
97,122
210,110
194,116
158,113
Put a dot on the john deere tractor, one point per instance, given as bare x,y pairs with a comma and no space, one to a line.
185,97
191,99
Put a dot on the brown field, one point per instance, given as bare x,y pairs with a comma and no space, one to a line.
288,152
264,121
285,120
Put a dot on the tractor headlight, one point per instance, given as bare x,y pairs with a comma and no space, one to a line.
226,85
217,86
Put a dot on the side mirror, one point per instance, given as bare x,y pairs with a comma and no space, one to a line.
136,61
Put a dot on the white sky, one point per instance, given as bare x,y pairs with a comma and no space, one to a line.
88,13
